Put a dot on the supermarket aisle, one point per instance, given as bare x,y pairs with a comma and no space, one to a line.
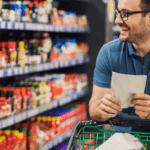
46,69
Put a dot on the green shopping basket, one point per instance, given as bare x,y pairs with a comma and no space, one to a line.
88,135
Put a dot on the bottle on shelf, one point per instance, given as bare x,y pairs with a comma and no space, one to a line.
46,46
12,14
18,10
35,11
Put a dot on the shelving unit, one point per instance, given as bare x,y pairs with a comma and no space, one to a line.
57,140
49,66
33,112
42,27
41,67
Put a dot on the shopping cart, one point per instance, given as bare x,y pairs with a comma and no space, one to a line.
88,135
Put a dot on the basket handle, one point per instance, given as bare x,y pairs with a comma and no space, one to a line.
120,120
129,120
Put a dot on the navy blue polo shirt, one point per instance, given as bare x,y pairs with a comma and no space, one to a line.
121,57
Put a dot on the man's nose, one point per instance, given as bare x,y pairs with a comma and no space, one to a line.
118,19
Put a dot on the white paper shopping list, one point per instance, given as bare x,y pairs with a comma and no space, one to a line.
123,85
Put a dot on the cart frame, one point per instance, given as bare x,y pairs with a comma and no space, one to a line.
118,120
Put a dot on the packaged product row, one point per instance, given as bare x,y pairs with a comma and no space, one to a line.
21,51
39,11
37,131
30,93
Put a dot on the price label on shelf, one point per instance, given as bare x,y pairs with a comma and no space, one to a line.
16,25
75,29
50,145
61,64
9,25
9,72
60,139
56,64
26,69
55,103
51,28
33,26
24,115
61,28
18,118
73,62
51,65
1,73
66,63
38,67
10,121
40,27
75,96
21,26
33,112
46,66
21,70
60,102
27,26
16,72
69,99
55,141
3,124
7,122
45,107
69,29
47,27
82,29
45,147
80,61
56,28
72,29
3,24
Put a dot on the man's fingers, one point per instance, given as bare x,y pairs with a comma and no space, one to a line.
108,109
106,115
142,115
142,108
141,102
112,99
140,96
111,104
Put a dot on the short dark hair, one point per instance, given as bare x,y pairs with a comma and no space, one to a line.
145,6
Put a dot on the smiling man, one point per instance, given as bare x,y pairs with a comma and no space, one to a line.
130,54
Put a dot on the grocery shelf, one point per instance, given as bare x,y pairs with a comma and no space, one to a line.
116,29
41,67
41,27
57,140
33,112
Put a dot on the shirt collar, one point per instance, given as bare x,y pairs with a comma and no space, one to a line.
131,49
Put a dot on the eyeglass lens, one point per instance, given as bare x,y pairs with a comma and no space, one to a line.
122,13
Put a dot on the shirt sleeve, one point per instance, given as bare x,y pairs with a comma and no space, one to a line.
102,71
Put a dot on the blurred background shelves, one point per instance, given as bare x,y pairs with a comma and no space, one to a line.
42,27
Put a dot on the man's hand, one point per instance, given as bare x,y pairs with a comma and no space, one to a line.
141,104
109,107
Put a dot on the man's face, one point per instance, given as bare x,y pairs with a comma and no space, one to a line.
134,29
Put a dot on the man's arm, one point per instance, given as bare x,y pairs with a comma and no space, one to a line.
103,105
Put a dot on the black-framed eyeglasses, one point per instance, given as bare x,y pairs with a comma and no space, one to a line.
124,13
